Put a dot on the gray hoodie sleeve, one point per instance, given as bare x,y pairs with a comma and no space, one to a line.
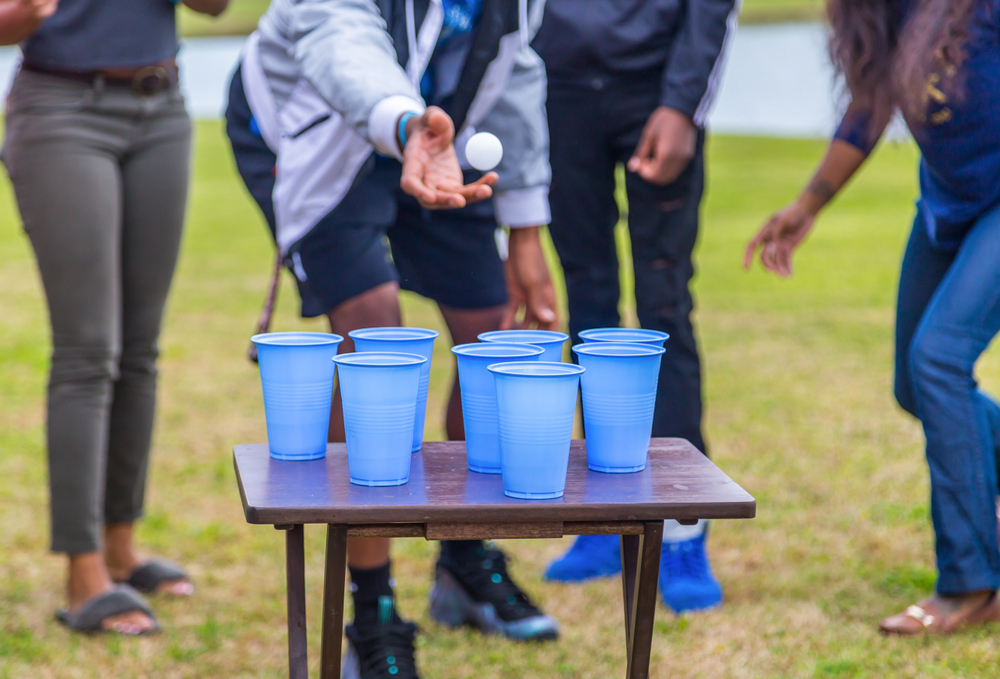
521,194
345,53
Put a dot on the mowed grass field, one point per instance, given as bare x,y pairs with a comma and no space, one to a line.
799,411
240,18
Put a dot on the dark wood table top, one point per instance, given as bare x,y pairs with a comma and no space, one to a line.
678,483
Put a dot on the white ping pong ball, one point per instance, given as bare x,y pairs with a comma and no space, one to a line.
483,151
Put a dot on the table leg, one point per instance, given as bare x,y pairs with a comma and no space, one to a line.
640,573
333,601
295,573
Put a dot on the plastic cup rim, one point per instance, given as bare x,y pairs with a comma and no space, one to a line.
481,349
652,335
416,334
273,339
542,336
604,349
365,358
558,369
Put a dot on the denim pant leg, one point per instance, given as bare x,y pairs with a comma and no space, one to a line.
924,267
958,324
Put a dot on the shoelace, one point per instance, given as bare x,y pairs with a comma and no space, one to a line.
386,651
489,580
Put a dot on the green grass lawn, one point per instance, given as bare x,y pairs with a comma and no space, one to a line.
241,16
799,411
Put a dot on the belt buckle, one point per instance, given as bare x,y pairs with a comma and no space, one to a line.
150,80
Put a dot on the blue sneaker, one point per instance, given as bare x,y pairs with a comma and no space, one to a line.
591,556
686,579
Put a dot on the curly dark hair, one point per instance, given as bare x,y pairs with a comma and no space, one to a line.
888,63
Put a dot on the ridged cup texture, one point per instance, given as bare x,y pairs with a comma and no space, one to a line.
296,376
535,406
419,341
619,394
479,398
379,392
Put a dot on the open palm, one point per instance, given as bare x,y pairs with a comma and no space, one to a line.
431,172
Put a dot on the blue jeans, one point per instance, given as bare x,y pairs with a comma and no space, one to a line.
947,314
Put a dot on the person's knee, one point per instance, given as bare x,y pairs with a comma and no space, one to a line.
84,363
139,358
935,361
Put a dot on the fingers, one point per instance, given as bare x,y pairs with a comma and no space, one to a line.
412,183
541,308
642,152
509,315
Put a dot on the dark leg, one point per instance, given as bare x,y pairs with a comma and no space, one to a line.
640,573
295,573
333,601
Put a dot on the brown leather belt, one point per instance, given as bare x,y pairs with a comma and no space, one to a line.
145,81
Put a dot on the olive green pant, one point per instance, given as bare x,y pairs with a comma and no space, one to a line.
100,175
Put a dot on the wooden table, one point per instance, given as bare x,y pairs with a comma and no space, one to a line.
445,501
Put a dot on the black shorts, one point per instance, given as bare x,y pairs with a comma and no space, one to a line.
377,234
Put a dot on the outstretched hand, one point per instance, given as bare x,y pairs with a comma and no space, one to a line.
779,237
431,172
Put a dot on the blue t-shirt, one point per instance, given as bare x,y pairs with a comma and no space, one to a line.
87,35
453,44
960,140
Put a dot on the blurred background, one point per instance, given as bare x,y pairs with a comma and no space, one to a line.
799,412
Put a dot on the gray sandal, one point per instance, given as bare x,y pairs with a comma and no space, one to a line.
90,618
150,575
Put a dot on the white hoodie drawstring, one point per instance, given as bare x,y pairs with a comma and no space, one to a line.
411,39
522,20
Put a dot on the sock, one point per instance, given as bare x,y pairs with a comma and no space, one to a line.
462,551
374,602
675,532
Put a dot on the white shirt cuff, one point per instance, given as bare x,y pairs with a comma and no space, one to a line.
522,207
383,120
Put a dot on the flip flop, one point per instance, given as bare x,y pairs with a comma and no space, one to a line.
930,619
150,575
90,618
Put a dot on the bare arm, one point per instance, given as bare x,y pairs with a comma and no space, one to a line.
786,229
210,7
19,19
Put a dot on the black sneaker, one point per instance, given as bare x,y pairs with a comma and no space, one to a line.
383,651
480,593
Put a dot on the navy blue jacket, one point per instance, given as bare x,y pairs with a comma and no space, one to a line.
677,41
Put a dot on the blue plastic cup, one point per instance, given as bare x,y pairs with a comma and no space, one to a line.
619,392
296,377
379,391
404,341
630,335
535,406
479,398
549,340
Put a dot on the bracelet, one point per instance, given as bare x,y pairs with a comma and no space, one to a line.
401,130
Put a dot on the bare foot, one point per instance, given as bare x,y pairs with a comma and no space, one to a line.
88,579
122,560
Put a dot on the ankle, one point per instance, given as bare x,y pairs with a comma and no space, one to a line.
87,577
119,550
